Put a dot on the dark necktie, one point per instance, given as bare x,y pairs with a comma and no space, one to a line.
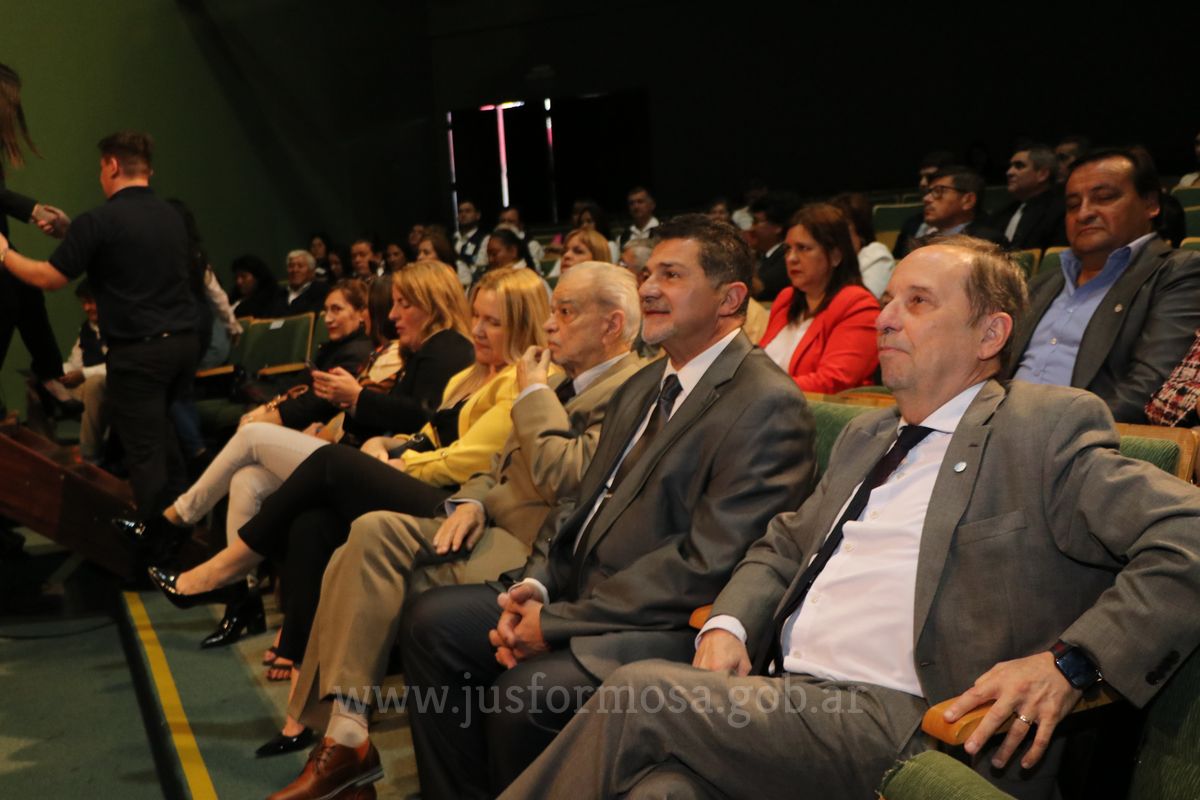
907,440
662,412
565,391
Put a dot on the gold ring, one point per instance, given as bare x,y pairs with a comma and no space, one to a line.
1025,719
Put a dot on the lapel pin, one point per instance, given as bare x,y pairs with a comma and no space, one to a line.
960,466
1118,308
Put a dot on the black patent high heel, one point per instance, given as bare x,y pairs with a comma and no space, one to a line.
243,614
165,581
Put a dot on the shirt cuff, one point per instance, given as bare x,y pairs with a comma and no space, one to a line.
724,622
535,583
94,370
530,389
455,502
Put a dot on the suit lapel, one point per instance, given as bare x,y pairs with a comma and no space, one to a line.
705,393
951,492
621,422
806,341
1109,316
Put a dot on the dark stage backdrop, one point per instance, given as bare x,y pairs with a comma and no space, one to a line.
280,117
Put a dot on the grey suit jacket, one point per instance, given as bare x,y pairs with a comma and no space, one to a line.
544,458
1142,328
1047,533
736,452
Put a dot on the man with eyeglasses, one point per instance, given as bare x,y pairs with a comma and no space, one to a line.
953,205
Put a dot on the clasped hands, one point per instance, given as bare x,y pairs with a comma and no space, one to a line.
518,634
50,220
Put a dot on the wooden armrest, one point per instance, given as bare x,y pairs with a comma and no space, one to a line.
224,369
700,616
280,369
957,733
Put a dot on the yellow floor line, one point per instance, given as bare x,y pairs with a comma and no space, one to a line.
194,771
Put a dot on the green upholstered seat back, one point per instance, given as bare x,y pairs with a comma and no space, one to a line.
830,419
1162,453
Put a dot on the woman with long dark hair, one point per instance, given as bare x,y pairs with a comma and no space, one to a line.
22,306
822,328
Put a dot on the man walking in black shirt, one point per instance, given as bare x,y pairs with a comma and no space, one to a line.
134,251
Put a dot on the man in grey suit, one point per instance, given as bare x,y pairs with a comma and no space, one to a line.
1122,311
698,451
491,522
978,538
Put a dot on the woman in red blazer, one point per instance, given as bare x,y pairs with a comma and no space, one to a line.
822,328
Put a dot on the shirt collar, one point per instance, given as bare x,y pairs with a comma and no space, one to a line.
946,418
771,252
651,223
586,378
1114,265
691,372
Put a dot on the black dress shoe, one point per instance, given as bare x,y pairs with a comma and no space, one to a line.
150,531
243,614
165,581
285,744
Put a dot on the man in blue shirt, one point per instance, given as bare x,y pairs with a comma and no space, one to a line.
1124,308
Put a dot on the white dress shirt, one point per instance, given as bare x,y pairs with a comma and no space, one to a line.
1011,229
689,375
856,623
642,233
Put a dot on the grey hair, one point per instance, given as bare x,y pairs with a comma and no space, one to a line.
642,248
1042,157
613,287
307,256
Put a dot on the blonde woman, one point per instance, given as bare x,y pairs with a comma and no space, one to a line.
584,244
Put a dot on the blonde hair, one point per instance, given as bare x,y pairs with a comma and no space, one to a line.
524,307
433,287
594,241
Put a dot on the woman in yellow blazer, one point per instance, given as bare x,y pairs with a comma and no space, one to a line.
309,516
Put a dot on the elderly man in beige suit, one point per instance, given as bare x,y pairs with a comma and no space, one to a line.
980,541
495,515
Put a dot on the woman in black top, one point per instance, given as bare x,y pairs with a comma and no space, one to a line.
258,293
22,306
433,344
349,346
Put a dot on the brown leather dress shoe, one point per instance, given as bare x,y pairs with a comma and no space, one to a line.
332,769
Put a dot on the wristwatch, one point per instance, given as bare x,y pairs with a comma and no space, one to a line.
1079,670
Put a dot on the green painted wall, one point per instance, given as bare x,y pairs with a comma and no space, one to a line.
91,68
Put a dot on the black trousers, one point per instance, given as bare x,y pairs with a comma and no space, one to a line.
493,722
144,377
23,309
309,516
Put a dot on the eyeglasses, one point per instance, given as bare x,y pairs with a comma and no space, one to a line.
938,191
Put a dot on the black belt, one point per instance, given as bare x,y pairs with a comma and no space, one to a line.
141,339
